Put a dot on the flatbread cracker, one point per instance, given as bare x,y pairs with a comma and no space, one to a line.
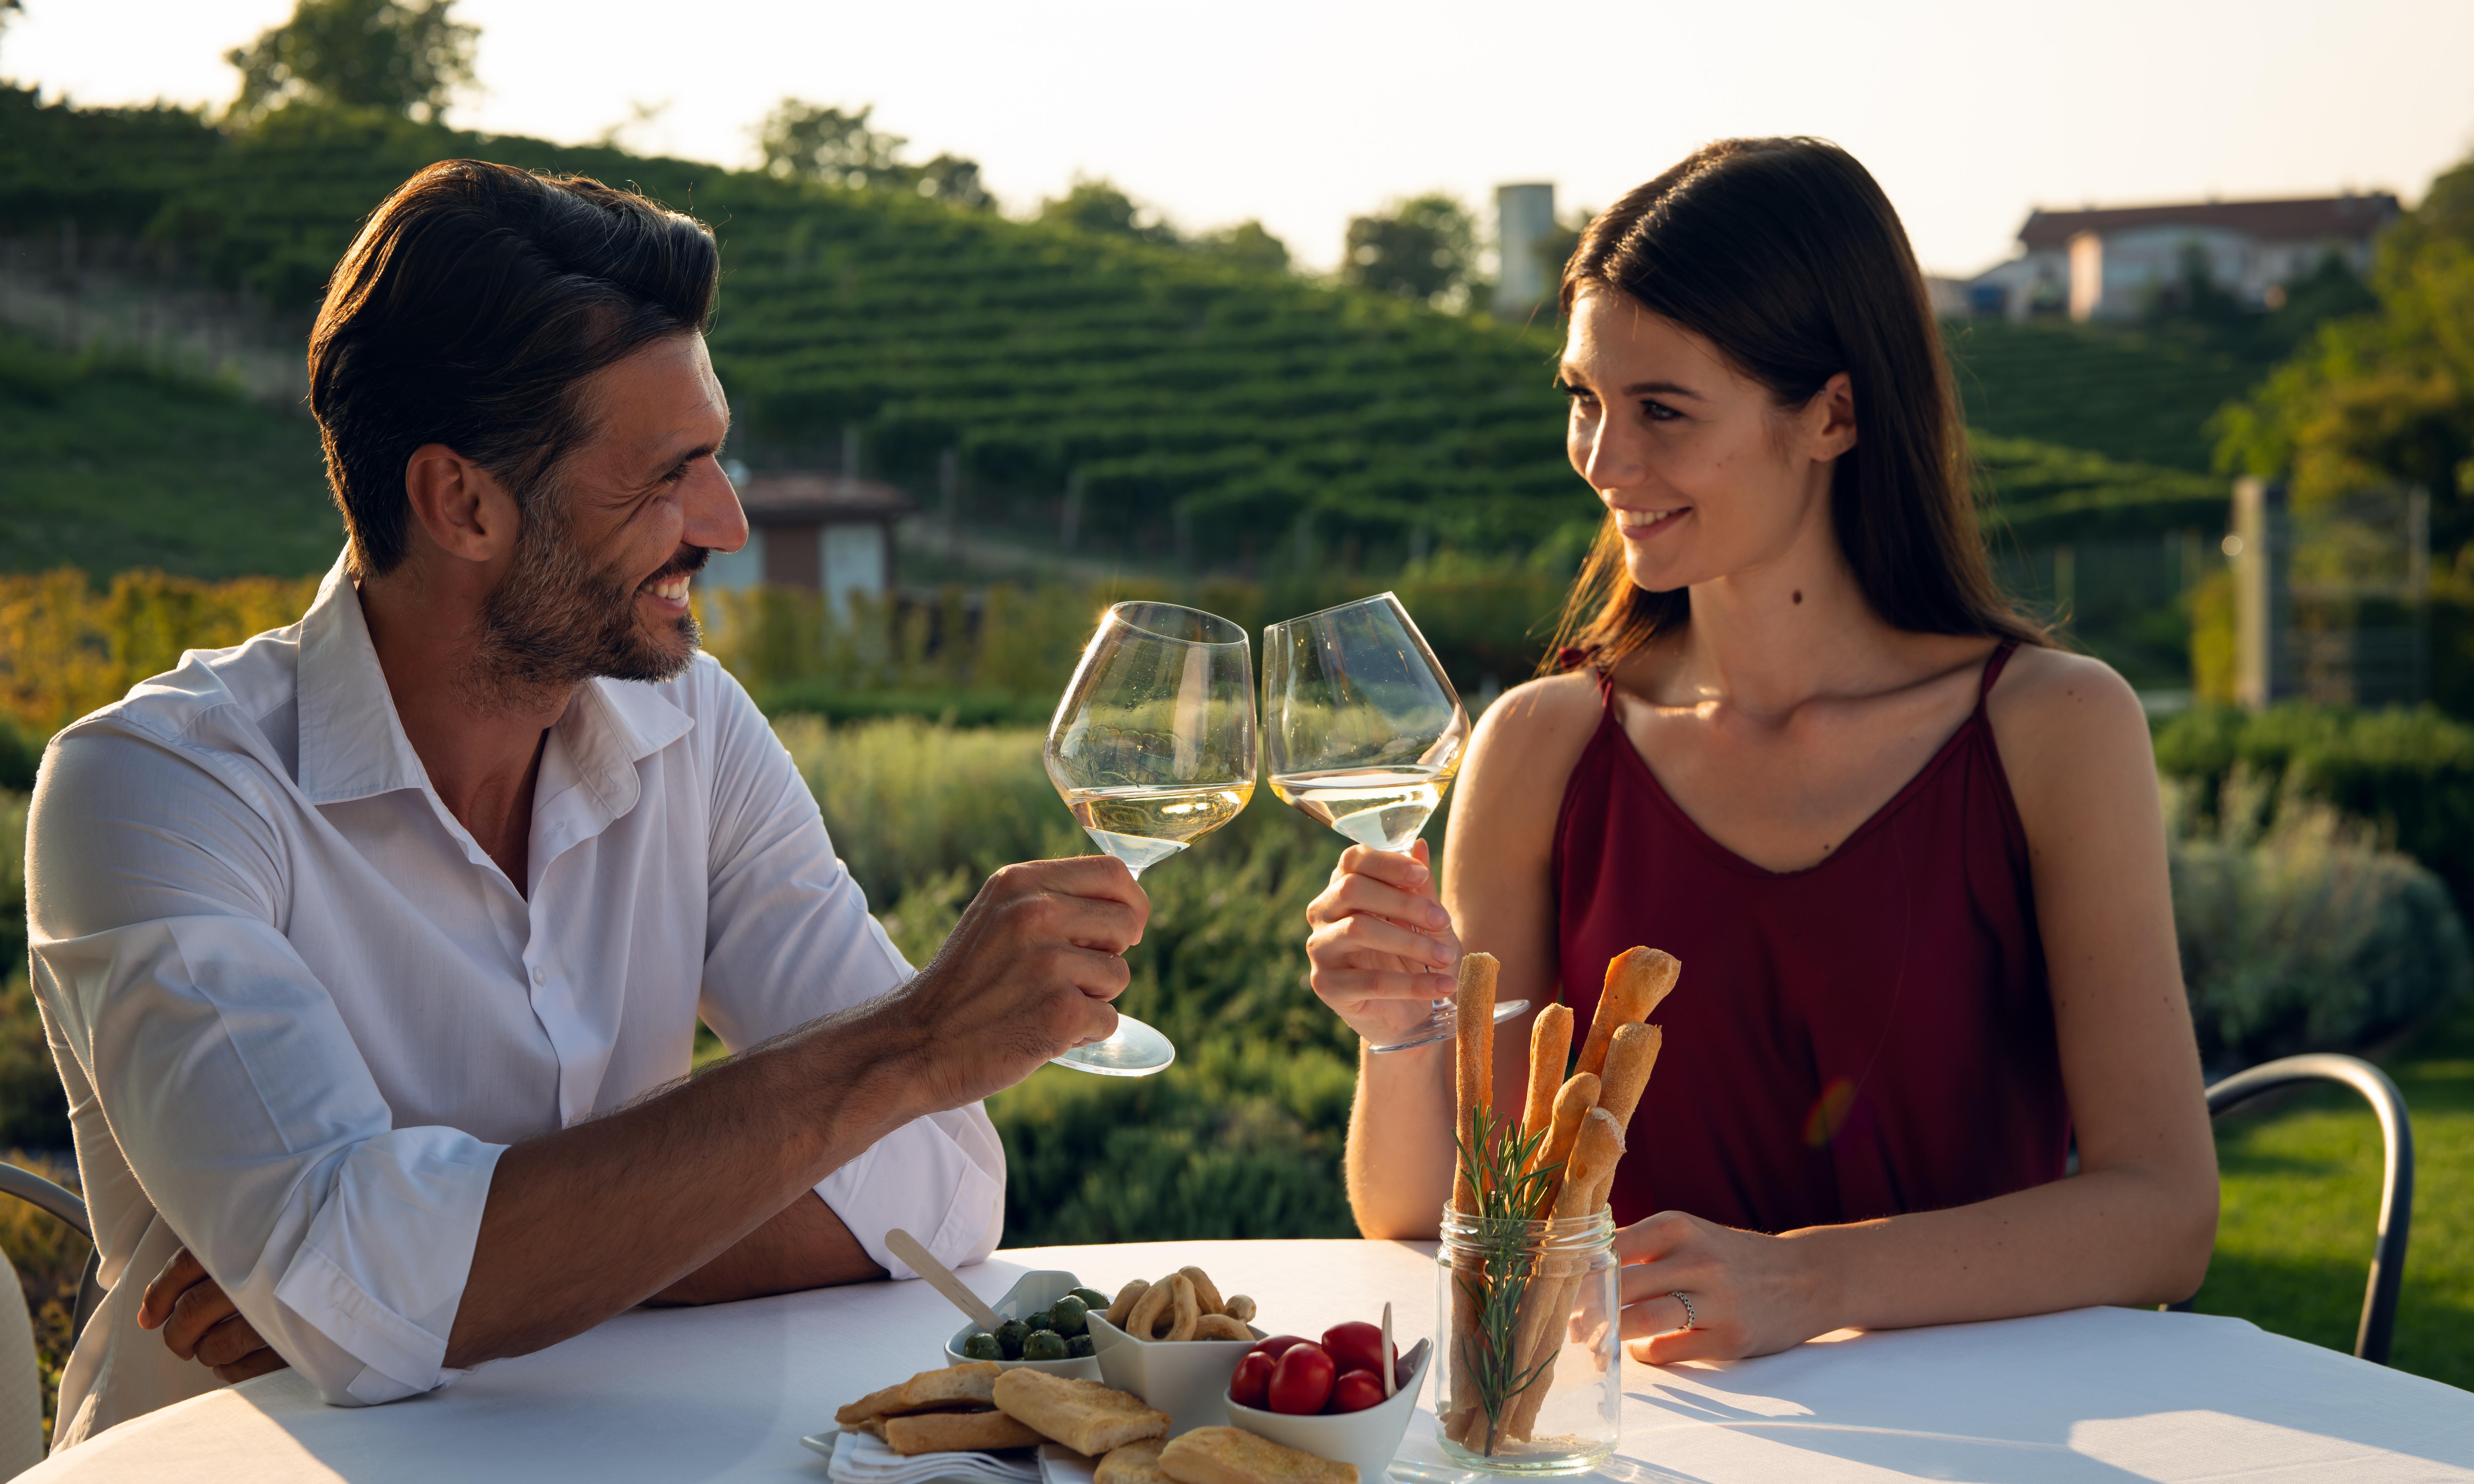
1135,1463
957,1432
1086,1416
1230,1455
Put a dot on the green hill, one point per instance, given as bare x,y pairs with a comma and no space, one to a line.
112,466
2141,396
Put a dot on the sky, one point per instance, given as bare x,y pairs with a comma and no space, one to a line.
1304,114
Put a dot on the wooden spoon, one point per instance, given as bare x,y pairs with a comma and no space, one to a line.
902,1244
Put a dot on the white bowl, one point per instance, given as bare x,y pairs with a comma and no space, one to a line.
1368,1439
1029,1293
1188,1379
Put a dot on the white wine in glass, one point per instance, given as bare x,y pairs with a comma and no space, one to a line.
1152,748
1362,731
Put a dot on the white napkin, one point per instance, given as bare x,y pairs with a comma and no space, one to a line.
860,1459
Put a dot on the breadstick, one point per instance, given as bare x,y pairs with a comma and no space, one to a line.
1473,1070
1473,1060
1637,980
1550,1047
1572,1103
1594,1156
1631,1052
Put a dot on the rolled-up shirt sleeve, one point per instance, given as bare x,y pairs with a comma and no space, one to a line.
788,937
227,1076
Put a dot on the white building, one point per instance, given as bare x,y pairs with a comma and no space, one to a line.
2111,263
826,532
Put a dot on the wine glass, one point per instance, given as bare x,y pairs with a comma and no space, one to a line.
1362,731
1152,748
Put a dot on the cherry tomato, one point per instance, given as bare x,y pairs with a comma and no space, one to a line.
1356,1347
1301,1379
1276,1345
1252,1385
1355,1391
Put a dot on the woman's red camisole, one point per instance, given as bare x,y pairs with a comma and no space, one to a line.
1870,1036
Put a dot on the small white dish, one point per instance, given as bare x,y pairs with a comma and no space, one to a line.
1188,1379
1367,1439
1029,1293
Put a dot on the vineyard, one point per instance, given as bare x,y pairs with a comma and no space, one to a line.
1200,413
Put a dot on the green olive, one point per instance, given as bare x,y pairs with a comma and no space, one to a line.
1043,1320
1079,1346
982,1346
1044,1345
1071,1318
1010,1338
1092,1298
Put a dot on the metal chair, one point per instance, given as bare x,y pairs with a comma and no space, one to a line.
21,1387
2396,1180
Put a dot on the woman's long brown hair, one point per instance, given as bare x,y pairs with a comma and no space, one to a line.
1784,255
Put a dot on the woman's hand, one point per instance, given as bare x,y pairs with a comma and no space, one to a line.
1382,945
1751,1295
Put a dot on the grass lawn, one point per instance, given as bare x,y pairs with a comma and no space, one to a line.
2301,1196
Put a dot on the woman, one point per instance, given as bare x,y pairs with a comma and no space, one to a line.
1910,854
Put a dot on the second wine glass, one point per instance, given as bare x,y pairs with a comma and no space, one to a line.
1152,748
1362,731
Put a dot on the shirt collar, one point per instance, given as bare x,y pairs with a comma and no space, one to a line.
352,743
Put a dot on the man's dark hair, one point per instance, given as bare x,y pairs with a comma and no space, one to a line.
470,311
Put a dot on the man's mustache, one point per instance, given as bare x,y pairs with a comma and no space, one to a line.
690,560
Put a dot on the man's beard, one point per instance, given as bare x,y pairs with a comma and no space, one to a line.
554,621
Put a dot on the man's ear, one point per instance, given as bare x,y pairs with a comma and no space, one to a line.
1830,419
460,505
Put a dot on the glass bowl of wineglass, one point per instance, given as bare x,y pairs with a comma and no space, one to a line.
1362,731
1152,748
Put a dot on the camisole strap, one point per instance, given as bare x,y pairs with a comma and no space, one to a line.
1992,670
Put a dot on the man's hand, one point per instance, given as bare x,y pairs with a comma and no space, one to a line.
1026,974
203,1326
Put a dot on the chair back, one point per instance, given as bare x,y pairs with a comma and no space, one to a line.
21,1381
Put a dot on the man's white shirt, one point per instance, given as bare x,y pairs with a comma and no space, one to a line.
300,1012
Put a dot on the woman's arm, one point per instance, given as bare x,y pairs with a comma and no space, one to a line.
2136,1224
1381,947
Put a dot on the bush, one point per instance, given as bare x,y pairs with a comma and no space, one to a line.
1243,1137
66,649
33,1111
2408,771
2298,933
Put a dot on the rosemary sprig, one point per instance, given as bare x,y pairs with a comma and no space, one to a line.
1494,1160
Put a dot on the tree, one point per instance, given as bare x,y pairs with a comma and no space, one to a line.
1099,206
1247,243
2388,394
408,56
803,141
806,141
1425,248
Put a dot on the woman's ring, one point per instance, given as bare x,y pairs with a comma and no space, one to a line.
1684,1298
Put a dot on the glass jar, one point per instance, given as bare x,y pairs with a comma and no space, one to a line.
1529,1370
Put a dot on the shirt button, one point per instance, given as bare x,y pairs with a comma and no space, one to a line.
540,975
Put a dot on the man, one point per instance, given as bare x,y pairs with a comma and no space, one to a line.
372,950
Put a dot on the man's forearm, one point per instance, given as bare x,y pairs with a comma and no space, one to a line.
804,1246
596,1218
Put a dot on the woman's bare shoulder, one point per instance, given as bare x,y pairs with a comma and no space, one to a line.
1526,743
2066,722
1537,712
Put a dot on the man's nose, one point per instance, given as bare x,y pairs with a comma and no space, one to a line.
711,506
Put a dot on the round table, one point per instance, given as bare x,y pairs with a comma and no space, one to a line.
726,1393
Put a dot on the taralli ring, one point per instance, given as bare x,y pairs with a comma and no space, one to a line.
1685,1299
1142,1321
1188,1312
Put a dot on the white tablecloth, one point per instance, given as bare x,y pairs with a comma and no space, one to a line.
2091,1396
